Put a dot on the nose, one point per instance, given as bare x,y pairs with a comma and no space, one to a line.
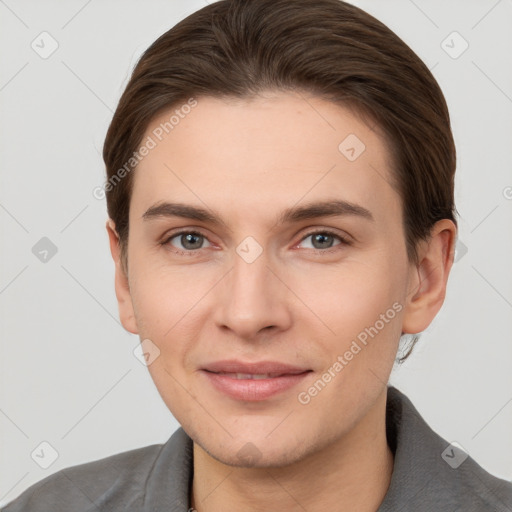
252,300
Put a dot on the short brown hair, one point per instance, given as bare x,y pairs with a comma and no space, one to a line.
239,48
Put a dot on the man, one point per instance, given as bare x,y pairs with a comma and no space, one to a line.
280,196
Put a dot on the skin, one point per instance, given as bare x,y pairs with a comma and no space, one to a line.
247,161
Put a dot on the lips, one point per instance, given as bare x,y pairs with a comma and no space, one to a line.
271,368
254,376
253,381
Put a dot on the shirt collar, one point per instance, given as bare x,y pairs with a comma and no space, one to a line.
170,479
418,471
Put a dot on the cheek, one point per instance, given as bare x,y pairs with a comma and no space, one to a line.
361,304
164,295
348,297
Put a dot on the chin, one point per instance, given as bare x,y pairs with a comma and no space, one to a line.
251,456
254,451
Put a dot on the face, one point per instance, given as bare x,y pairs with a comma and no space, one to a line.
267,266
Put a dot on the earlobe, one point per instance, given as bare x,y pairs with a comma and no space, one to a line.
124,299
429,277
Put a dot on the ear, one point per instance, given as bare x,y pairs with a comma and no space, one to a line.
429,277
124,299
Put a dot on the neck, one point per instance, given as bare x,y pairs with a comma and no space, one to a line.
351,473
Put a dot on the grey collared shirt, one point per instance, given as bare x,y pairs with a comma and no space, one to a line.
429,475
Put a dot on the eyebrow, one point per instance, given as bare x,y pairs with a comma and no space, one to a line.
334,208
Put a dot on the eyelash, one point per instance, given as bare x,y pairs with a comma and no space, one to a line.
342,240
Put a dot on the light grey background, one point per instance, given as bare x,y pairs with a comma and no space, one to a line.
67,371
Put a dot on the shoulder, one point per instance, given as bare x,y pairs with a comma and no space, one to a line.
111,483
490,492
433,474
459,481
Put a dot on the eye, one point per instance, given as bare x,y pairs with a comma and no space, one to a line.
190,241
321,240
187,241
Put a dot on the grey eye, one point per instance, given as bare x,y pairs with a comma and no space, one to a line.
188,241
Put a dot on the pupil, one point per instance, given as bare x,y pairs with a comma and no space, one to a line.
322,239
191,241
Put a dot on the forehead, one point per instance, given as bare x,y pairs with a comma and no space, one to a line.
261,154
